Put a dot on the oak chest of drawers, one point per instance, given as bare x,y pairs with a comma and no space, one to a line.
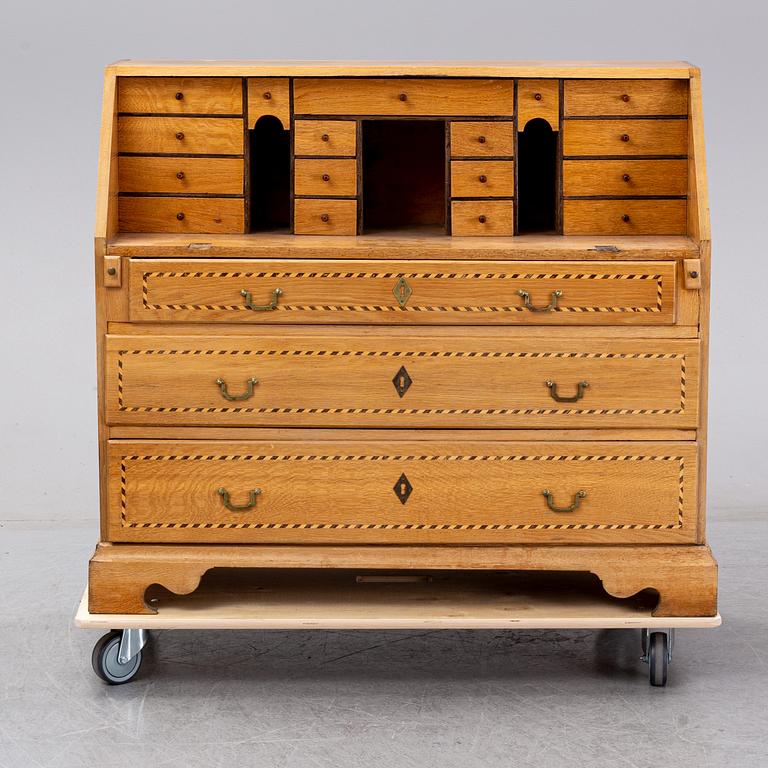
395,316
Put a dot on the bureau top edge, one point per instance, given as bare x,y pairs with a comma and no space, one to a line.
456,68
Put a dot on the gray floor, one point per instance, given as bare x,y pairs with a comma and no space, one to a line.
370,699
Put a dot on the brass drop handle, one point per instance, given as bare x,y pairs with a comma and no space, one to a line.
276,294
580,387
551,307
250,504
244,396
577,497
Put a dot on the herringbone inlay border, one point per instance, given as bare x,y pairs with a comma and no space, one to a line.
407,411
343,458
282,307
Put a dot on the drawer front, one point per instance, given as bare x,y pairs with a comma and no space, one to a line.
181,175
538,99
181,135
626,97
482,178
625,177
325,217
308,379
330,178
624,217
482,217
214,215
482,139
377,491
180,95
325,137
269,96
419,292
414,96
625,137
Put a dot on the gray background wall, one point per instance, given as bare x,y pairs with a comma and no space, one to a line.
51,59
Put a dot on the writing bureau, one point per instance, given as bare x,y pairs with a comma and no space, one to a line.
400,316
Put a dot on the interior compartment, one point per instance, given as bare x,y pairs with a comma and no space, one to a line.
269,175
537,182
403,169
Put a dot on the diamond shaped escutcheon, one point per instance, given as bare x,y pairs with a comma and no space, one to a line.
402,381
403,488
402,291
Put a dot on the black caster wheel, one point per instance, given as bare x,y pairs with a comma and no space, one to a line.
105,662
658,658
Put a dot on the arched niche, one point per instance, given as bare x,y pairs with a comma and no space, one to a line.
269,175
537,178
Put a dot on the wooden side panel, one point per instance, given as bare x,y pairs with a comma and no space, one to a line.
418,96
181,135
396,491
311,379
625,137
342,292
181,95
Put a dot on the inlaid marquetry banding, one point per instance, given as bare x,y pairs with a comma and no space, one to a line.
287,307
407,411
125,523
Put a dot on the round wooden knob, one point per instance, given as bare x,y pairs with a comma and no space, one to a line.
482,178
626,177
625,97
625,137
179,95
326,177
180,175
537,96
481,139
180,136
325,137
324,217
481,219
625,217
693,273
112,272
267,95
403,97
180,216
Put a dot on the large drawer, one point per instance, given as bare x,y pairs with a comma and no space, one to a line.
181,135
412,96
419,292
590,138
181,95
626,97
310,378
376,491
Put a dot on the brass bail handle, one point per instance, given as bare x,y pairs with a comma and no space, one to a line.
580,387
551,307
577,497
244,396
276,294
250,504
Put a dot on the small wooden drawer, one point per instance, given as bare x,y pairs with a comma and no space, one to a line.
372,490
482,139
214,215
330,178
325,137
181,135
625,97
482,178
269,96
624,177
175,175
625,137
306,378
624,217
180,95
324,217
406,293
392,96
538,99
482,217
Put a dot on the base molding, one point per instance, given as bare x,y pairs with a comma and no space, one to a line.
685,576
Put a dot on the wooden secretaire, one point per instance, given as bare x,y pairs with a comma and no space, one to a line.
398,316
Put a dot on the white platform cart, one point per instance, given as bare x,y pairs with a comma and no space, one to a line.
332,600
